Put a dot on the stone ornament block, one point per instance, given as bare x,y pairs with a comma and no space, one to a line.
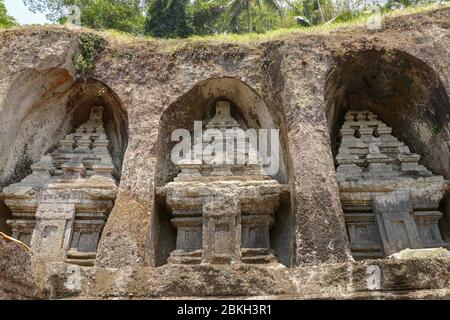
394,213
189,233
255,231
51,237
428,228
365,240
222,230
22,229
347,172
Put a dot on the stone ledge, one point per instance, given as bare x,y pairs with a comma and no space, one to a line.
399,279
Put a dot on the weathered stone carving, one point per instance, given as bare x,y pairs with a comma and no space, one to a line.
222,210
60,209
390,201
395,219
221,229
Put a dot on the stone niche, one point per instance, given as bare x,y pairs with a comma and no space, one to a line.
222,211
390,201
61,207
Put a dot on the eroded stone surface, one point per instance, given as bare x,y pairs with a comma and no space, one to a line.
413,278
432,253
16,274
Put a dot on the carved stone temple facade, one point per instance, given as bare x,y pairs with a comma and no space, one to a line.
223,211
359,207
61,208
390,201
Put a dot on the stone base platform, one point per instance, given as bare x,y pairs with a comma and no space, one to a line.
412,278
249,256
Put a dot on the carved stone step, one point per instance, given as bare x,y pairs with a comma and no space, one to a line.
249,252
82,263
259,259
257,256
81,255
182,257
83,259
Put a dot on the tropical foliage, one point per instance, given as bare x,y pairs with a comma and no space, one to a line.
182,18
6,21
167,19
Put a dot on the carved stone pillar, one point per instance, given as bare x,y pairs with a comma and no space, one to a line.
222,230
54,226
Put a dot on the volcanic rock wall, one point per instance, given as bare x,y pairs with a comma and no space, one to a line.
143,81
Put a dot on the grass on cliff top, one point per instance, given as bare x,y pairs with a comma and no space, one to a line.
359,21
252,39
249,39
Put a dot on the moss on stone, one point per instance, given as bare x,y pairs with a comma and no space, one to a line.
91,45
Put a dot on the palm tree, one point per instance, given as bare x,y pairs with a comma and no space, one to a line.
236,7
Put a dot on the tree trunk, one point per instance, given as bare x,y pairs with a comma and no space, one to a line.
250,16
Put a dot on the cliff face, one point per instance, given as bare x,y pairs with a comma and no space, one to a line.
48,73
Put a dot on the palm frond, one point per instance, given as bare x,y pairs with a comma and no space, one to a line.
273,4
236,7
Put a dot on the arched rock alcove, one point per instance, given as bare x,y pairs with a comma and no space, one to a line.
406,94
87,94
403,91
196,105
43,106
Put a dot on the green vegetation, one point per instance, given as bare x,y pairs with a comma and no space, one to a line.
222,18
434,130
238,7
5,20
123,15
167,19
91,46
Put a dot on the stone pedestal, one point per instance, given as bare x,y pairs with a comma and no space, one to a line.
206,211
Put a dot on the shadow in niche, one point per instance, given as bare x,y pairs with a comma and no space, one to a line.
90,93
405,93
5,215
26,132
197,105
444,223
